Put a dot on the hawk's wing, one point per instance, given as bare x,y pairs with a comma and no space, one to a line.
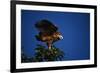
46,26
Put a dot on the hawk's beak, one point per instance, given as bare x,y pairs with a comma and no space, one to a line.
60,36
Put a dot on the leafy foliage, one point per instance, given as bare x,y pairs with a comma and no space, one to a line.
45,54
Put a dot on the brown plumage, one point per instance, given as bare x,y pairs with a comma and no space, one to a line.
48,33
49,39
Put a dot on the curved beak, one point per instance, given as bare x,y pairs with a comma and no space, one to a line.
60,36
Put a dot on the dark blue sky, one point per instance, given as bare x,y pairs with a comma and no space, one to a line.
75,28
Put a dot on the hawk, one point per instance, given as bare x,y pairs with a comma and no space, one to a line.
48,32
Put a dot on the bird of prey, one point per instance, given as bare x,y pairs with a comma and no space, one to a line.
48,32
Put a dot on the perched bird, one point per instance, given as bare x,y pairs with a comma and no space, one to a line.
47,32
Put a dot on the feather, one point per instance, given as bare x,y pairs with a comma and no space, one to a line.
47,32
46,26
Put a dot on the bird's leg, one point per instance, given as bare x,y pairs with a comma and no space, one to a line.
49,44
